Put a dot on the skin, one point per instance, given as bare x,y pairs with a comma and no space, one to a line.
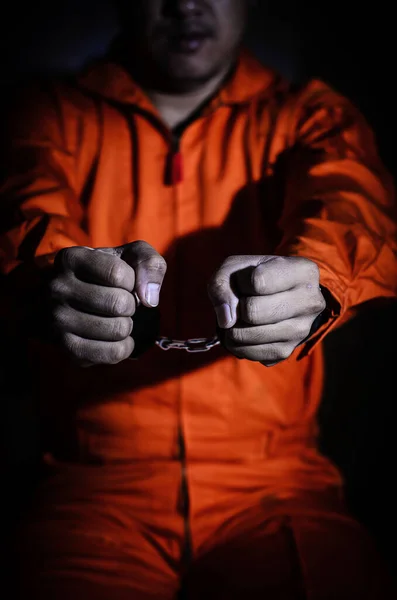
154,25
93,297
265,304
176,80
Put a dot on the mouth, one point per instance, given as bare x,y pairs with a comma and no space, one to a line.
188,44
189,41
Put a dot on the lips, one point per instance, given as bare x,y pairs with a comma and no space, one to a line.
188,36
188,41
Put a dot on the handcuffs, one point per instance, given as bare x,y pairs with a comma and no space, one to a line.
146,334
147,327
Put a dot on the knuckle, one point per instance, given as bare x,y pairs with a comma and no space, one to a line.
285,351
72,344
257,281
279,352
272,353
67,256
122,328
60,317
315,270
218,285
63,257
318,303
117,353
280,261
118,302
232,260
236,335
322,304
116,273
156,263
58,288
141,245
299,331
283,266
312,268
250,310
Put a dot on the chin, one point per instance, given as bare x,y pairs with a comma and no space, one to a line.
189,71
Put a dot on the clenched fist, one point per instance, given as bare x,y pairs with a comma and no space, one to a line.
266,305
92,301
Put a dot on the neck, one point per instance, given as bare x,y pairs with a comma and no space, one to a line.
177,108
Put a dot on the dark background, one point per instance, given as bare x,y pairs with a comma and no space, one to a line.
352,48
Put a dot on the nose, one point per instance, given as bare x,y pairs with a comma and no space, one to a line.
185,8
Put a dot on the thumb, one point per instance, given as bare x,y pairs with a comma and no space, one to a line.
224,288
149,267
223,299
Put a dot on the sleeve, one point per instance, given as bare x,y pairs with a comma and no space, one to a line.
40,212
339,205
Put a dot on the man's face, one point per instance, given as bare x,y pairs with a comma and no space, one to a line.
186,41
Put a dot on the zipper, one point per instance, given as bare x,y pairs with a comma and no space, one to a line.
187,550
174,176
174,163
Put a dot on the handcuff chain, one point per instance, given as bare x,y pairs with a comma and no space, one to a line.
192,345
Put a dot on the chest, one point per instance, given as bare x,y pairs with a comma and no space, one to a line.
223,188
223,203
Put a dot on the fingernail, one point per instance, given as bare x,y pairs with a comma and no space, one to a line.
152,294
223,315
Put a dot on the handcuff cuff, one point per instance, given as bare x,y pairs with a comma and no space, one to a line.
146,334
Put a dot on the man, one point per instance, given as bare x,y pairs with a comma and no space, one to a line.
175,164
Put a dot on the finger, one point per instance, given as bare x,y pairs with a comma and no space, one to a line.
292,330
222,292
149,267
265,310
92,327
91,298
275,274
223,288
267,354
92,352
101,266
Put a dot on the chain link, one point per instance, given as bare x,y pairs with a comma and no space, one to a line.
192,345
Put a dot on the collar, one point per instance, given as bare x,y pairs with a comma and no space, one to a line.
109,79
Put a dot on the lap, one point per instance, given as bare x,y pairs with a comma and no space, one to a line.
74,565
99,533
294,557
109,541
283,558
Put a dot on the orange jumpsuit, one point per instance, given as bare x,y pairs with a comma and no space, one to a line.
199,468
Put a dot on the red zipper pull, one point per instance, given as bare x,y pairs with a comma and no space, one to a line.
174,167
177,168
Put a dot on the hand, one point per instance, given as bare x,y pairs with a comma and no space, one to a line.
91,299
266,305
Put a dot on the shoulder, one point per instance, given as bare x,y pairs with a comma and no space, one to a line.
44,109
313,110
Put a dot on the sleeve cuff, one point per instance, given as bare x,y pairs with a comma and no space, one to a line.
332,316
